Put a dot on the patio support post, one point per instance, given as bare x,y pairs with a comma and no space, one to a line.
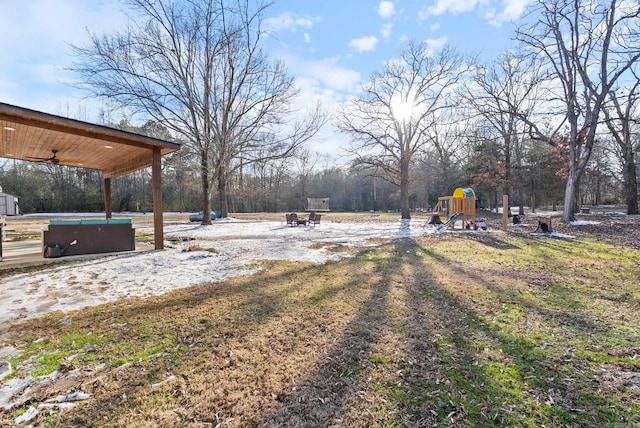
156,191
107,198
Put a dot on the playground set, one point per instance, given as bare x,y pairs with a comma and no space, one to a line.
457,211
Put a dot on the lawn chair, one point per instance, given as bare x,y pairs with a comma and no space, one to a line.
292,219
314,218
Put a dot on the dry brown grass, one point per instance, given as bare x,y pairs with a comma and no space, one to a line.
499,329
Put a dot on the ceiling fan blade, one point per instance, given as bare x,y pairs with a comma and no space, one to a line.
52,159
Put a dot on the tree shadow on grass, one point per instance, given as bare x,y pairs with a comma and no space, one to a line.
486,373
382,341
223,336
491,240
186,326
326,395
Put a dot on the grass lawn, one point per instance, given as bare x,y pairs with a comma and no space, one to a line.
468,330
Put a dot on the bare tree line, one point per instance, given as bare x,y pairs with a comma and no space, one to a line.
284,185
576,61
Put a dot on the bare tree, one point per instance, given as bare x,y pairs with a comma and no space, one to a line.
620,114
497,97
449,137
388,121
589,47
304,163
198,68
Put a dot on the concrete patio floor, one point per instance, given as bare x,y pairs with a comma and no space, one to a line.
24,253
15,252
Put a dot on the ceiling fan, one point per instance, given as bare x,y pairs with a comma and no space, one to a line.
52,159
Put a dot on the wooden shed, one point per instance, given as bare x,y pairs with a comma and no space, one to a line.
9,204
318,204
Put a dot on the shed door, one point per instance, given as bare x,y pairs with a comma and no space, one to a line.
3,205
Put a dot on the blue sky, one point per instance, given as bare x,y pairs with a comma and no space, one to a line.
330,46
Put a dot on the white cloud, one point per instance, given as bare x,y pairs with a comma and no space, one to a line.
510,10
35,47
395,62
286,21
513,10
386,9
364,44
435,27
307,38
31,27
450,6
434,45
305,22
386,29
332,76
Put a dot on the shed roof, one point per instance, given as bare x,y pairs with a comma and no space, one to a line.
35,136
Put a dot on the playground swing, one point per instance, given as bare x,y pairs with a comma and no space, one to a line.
457,211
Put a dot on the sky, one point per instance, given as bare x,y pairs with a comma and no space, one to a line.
329,46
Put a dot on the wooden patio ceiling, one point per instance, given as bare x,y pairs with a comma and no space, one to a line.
40,137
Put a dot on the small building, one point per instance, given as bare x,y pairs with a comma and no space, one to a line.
318,204
9,204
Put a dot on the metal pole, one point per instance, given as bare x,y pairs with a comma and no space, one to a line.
1,239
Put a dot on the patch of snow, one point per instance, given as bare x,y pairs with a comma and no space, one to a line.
7,350
225,249
552,235
13,387
27,416
71,397
5,369
545,213
167,380
583,223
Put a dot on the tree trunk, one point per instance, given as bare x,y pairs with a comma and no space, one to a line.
206,189
404,189
521,197
222,193
404,200
570,198
631,182
577,199
533,203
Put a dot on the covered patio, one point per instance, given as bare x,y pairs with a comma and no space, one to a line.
33,136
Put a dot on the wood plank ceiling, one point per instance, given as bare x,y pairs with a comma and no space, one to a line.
40,137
